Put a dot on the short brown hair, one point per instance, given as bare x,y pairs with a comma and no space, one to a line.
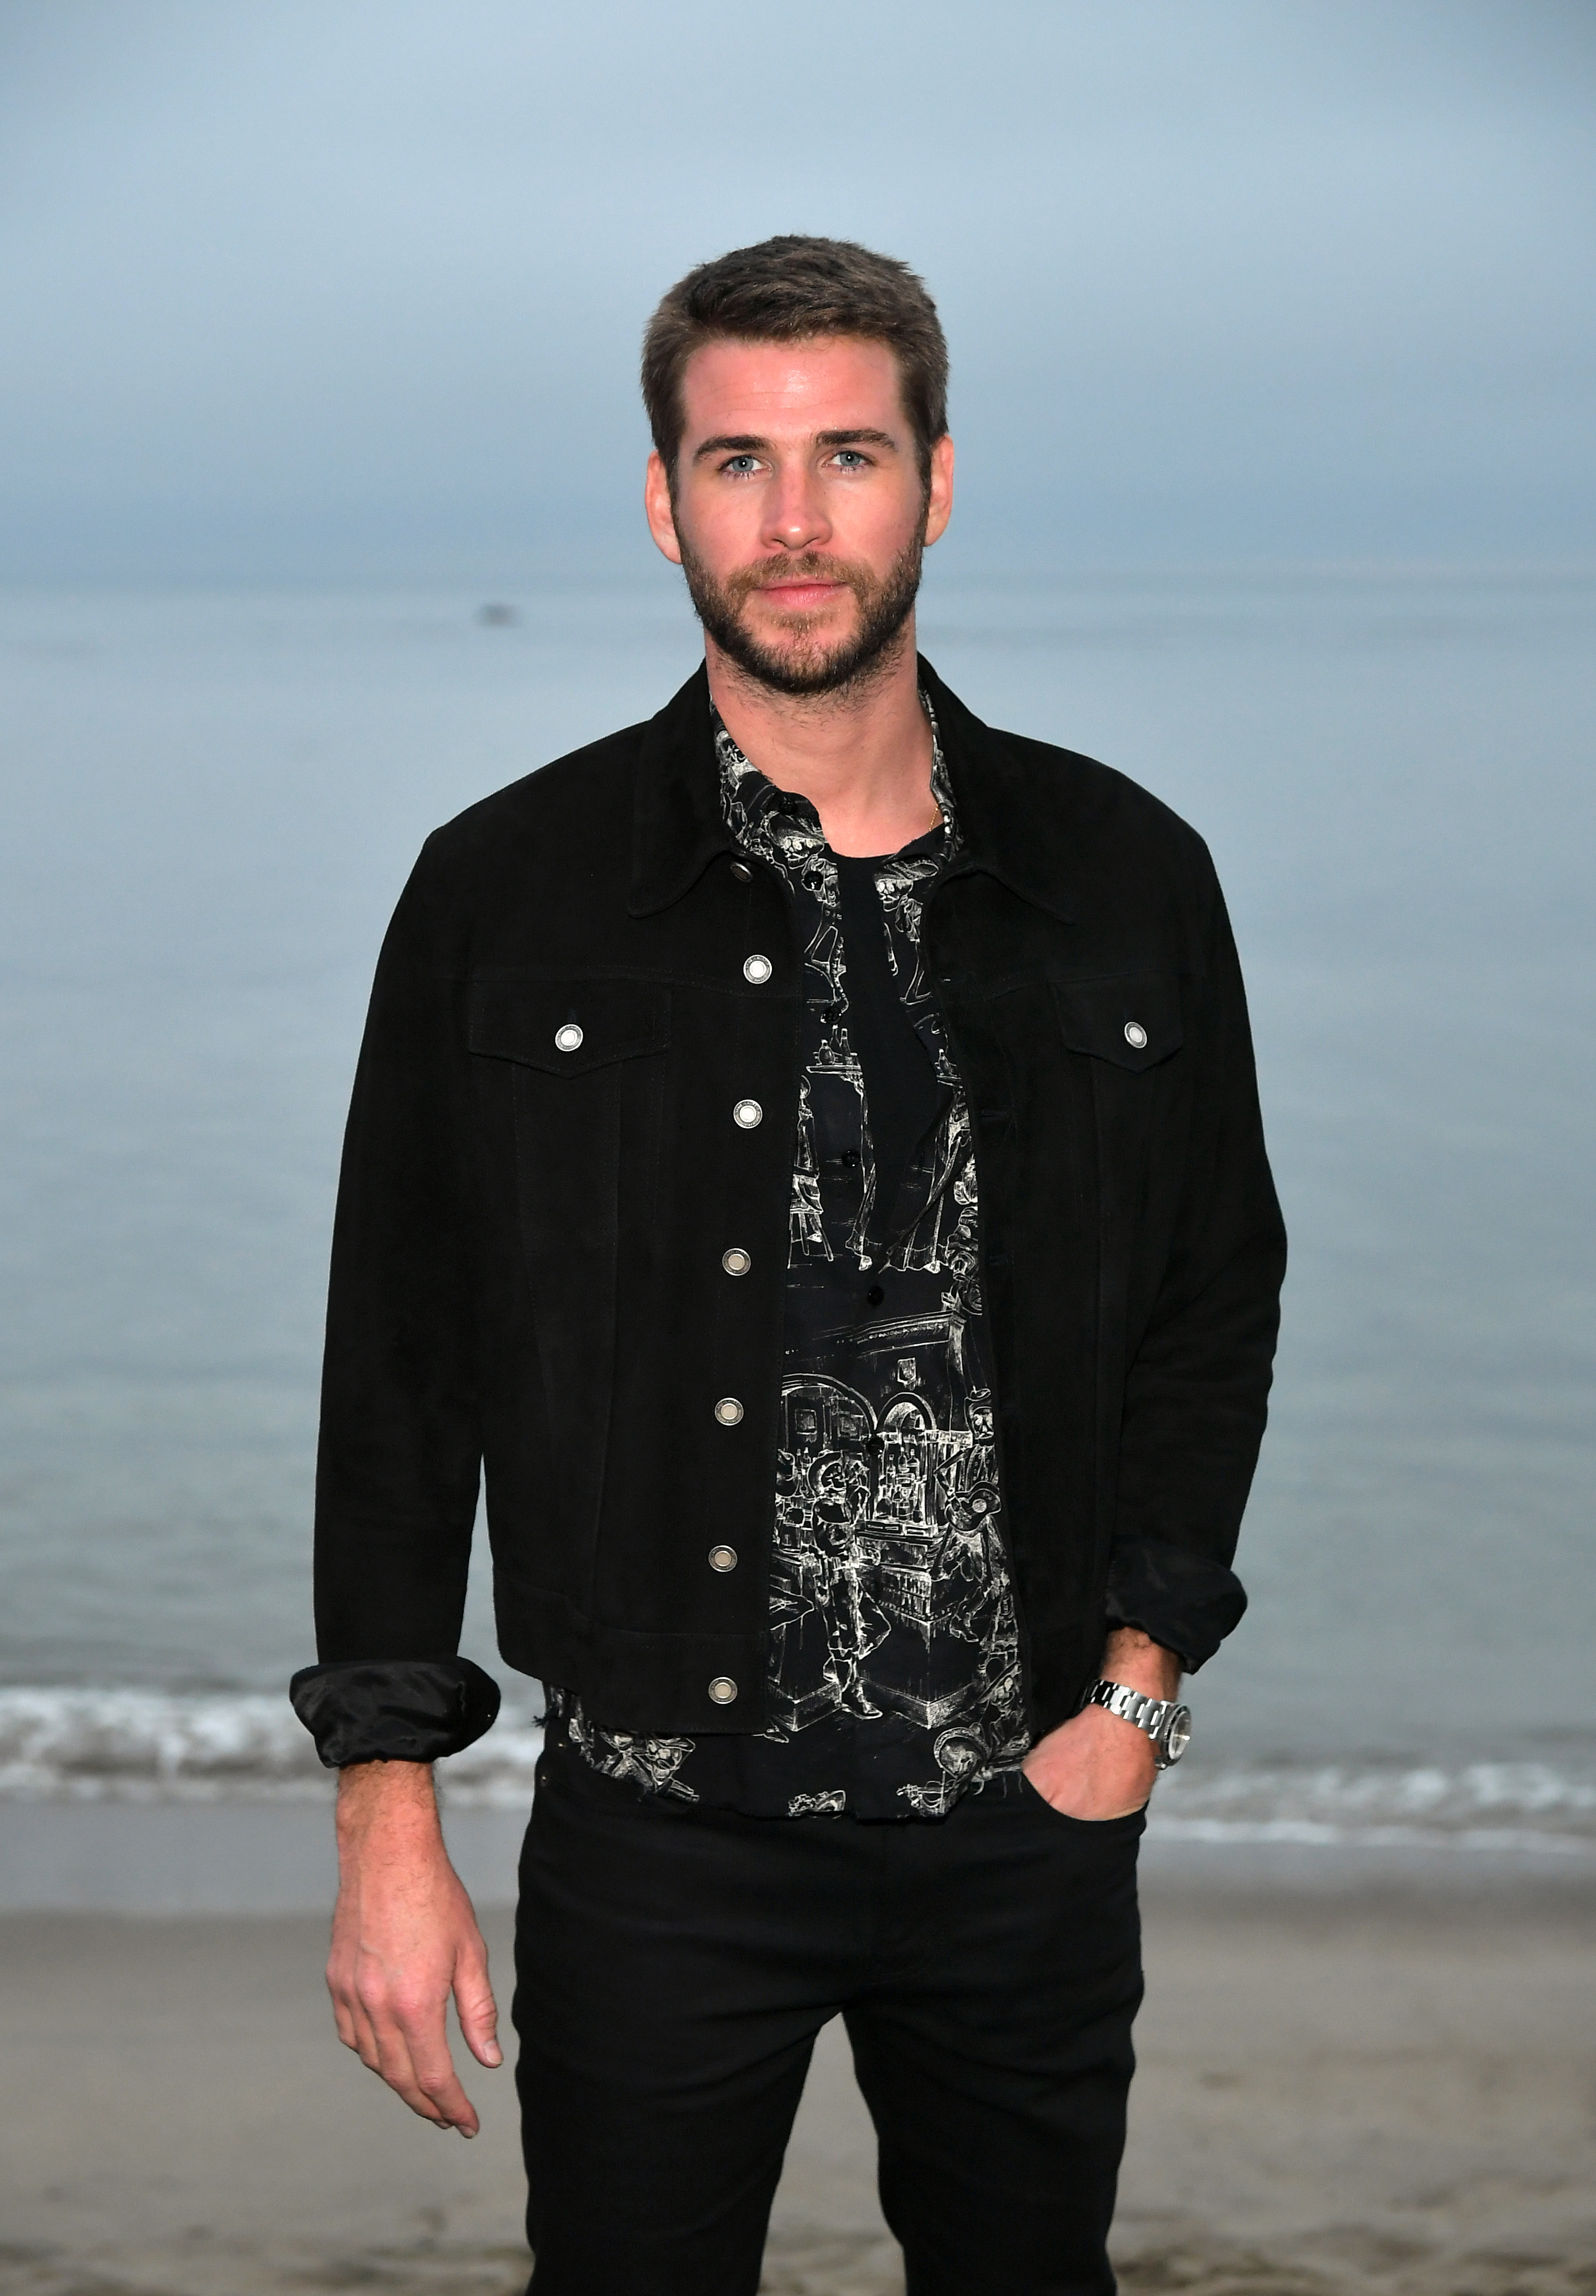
782,291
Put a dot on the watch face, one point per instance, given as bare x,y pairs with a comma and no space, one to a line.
1178,1736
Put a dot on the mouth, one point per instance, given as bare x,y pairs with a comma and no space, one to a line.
800,597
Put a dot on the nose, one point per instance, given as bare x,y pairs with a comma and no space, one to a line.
795,514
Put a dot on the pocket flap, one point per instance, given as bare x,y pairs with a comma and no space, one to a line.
567,1027
1132,1019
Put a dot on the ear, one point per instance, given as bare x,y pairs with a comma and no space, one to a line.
939,494
659,511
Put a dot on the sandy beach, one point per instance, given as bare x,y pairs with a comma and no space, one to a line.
1386,2083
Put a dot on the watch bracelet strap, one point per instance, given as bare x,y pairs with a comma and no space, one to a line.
1151,1715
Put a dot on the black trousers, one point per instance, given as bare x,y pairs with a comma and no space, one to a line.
674,1965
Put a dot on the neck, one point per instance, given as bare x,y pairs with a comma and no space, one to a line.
861,756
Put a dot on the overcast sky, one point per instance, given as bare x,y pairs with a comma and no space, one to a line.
328,289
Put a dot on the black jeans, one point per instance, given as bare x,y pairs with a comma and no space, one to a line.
674,1965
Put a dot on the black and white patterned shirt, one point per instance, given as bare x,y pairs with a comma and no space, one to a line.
893,1666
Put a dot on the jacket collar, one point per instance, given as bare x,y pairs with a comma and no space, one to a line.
1002,831
678,828
677,825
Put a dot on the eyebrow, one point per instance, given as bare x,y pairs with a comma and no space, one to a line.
747,443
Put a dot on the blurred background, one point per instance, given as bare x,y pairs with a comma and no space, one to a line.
1273,333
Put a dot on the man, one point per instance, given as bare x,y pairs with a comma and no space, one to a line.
806,1148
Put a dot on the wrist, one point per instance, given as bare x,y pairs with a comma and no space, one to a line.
1132,1657
387,1799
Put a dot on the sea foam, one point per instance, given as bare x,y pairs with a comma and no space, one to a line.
67,1744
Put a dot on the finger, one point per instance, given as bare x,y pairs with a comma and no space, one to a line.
343,2014
432,2067
352,2019
477,2011
364,2043
438,2096
436,2080
397,2065
343,2018
385,2032
416,2063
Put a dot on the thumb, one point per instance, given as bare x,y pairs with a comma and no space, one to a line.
477,2011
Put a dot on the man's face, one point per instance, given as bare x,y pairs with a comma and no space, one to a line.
798,513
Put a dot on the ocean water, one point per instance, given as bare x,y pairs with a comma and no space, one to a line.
210,803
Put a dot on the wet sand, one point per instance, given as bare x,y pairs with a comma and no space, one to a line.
1386,2086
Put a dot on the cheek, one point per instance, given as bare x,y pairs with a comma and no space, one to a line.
722,529
875,524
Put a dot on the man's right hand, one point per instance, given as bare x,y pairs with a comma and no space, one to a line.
404,1938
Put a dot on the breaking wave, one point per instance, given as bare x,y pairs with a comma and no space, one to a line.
145,1746
149,1745
1503,1807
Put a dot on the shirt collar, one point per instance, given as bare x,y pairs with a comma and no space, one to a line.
993,780
783,826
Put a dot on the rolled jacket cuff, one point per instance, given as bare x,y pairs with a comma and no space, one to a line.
412,1709
1185,1602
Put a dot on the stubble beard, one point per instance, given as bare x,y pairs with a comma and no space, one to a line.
807,666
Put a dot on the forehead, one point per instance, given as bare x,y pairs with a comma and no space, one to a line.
824,382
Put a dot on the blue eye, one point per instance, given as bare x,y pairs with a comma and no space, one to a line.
742,464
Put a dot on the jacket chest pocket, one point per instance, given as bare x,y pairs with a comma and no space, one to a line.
586,1069
1130,1020
1124,1031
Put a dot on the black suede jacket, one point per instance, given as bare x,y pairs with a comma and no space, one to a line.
528,1264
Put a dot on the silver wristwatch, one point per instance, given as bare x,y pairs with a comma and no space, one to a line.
1167,1722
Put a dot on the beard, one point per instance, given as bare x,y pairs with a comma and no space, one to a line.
808,664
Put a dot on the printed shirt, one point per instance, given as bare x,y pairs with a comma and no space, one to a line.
894,1670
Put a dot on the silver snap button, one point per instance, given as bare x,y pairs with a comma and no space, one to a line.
1135,1035
758,968
740,870
567,1040
748,1113
723,1690
728,1411
736,1261
723,1558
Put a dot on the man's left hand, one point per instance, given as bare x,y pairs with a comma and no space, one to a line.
1096,1766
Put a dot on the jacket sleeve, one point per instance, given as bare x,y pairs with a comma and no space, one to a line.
1198,1384
400,1453
394,1710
